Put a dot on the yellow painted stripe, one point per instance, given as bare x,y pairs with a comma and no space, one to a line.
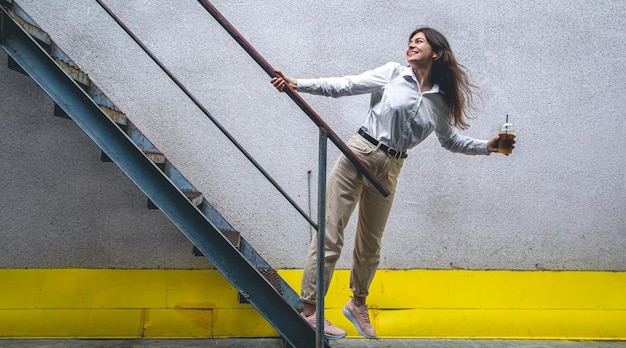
181,323
492,323
241,323
105,288
57,323
101,303
200,289
406,289
106,323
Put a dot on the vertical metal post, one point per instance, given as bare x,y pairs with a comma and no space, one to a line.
321,237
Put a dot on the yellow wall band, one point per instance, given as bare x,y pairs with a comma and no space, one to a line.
103,303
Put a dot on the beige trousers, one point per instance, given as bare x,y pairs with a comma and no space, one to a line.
345,188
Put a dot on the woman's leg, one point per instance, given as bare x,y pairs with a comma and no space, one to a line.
343,190
374,212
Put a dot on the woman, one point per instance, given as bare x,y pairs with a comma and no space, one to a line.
408,103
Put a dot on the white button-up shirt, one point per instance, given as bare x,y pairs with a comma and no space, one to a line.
400,114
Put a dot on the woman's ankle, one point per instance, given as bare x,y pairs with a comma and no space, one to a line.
358,301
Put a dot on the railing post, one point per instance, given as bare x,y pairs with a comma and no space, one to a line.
321,237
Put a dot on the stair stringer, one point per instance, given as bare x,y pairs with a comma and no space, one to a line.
37,55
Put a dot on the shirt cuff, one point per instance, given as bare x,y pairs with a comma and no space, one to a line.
483,149
305,85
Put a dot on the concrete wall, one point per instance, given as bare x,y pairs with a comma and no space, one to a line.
555,67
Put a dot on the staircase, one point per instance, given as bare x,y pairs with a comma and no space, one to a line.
33,52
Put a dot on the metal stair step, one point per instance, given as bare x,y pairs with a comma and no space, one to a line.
272,277
195,197
115,115
156,157
31,27
75,73
233,237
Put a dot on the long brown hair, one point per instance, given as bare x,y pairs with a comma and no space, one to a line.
451,78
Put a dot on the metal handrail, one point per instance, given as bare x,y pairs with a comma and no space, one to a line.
295,97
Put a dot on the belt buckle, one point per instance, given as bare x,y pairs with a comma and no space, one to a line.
393,153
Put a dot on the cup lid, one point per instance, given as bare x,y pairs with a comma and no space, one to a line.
507,128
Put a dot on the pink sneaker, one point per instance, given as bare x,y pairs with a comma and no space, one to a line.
331,332
360,317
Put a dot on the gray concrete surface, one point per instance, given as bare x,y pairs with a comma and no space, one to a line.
555,67
276,343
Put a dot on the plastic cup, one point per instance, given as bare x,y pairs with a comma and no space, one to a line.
507,136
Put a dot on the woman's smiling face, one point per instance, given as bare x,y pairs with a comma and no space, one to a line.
419,50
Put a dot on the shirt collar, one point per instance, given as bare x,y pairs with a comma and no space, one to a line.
408,72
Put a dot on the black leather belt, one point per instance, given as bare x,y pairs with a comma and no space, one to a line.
388,150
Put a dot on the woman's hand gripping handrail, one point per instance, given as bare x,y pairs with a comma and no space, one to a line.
295,97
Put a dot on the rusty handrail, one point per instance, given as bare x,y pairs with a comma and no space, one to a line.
295,97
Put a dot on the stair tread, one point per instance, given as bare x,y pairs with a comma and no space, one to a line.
233,237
